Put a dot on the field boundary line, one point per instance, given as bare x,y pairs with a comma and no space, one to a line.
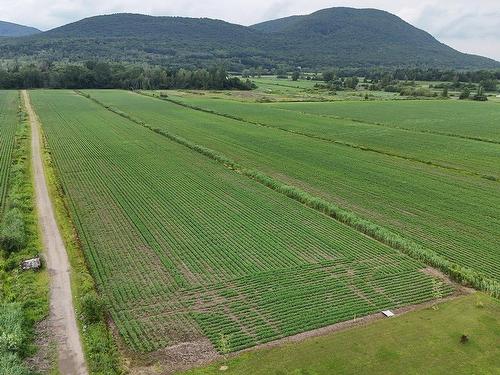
329,140
65,328
377,232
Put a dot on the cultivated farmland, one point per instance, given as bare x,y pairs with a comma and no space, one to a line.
184,248
8,122
453,214
384,137
463,119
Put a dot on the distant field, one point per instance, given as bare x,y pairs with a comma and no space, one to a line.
462,118
421,342
451,213
182,247
304,90
8,123
482,157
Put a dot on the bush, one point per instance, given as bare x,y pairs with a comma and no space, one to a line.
92,308
465,94
480,98
11,364
419,91
12,233
12,334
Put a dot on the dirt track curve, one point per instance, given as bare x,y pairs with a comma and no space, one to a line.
62,313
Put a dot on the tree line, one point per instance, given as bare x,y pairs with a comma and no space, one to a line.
105,75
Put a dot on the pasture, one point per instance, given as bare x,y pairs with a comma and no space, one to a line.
184,248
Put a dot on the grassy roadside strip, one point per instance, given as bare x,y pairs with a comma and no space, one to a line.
24,295
100,349
373,230
325,139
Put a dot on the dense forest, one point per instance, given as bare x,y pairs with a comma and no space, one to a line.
336,37
92,74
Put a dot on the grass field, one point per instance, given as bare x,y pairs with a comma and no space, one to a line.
182,247
421,342
8,123
451,213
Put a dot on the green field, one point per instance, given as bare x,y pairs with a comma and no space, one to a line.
482,157
421,342
183,248
459,118
451,213
8,124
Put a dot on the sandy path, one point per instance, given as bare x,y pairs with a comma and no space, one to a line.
62,312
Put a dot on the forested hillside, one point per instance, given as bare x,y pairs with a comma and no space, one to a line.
336,37
13,30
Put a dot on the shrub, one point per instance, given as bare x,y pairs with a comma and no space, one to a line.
12,233
11,364
12,334
465,94
92,308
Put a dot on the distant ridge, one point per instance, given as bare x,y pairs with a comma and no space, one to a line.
14,30
335,37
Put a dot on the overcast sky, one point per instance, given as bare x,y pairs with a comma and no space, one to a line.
471,26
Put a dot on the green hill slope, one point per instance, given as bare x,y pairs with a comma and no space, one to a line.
361,37
13,30
340,37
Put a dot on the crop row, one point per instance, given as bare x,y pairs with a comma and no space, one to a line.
173,237
452,214
8,121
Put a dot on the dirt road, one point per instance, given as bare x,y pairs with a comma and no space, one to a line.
62,312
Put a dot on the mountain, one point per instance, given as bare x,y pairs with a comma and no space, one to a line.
335,37
360,37
13,30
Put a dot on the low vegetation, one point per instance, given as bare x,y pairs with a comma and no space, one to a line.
100,348
23,294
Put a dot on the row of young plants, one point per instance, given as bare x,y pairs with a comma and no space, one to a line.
429,205
395,240
306,304
133,323
100,349
137,195
23,294
422,147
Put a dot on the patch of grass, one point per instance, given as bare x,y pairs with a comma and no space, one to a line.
420,342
